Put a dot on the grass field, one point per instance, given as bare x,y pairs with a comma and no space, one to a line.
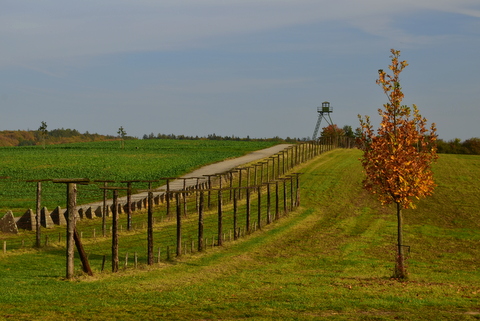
140,160
331,259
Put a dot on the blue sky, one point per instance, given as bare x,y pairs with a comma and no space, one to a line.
258,68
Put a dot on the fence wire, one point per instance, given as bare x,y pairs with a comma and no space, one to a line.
232,205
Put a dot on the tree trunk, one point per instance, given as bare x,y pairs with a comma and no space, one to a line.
400,260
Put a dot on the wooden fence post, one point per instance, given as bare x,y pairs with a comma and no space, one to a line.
185,212
179,225
277,156
240,183
168,195
261,171
115,232
129,206
292,158
220,217
259,199
297,189
184,194
38,220
114,225
104,205
273,166
197,194
37,215
281,167
71,222
200,222
297,154
269,217
209,190
290,177
276,201
129,202
235,205
248,209
150,221
82,254
150,228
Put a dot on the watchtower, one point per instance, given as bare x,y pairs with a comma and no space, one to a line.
323,112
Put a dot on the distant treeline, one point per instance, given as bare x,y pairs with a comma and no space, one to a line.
217,137
55,136
456,146
63,136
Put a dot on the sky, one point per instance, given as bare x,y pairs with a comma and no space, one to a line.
234,67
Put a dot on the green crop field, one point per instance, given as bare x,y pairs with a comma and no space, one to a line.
140,160
330,259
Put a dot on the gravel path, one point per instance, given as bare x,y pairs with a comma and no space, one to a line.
211,169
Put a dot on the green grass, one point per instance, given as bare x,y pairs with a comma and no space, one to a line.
140,160
331,259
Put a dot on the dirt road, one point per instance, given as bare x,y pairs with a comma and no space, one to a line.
211,169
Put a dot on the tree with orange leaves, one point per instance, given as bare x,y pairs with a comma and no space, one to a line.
397,158
332,131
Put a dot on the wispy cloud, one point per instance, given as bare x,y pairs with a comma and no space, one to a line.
57,29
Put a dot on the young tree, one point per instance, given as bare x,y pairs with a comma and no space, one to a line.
332,131
397,159
347,129
122,133
43,132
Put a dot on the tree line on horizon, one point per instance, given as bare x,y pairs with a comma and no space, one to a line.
219,137
329,131
8,138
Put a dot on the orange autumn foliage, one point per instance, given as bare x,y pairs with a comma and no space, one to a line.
397,158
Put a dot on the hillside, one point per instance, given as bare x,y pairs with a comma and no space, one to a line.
331,259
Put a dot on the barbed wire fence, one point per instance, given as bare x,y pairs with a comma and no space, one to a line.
216,209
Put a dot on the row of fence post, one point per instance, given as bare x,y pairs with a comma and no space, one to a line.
265,174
